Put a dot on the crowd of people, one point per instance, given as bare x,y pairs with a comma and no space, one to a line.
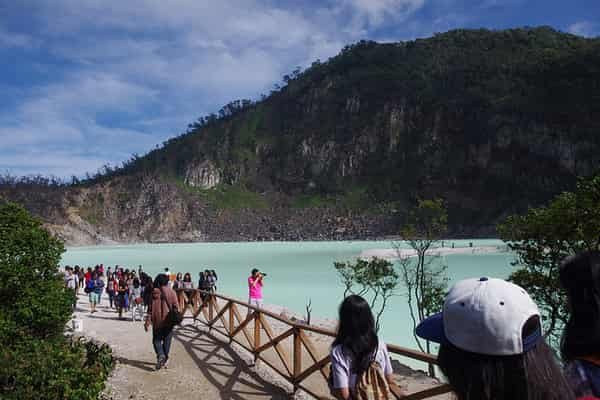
128,290
491,342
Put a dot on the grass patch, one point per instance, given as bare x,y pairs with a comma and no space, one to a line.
228,197
234,197
312,201
355,198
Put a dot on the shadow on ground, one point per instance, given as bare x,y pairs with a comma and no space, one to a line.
224,368
143,365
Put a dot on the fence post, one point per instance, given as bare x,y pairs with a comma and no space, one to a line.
231,321
256,334
297,357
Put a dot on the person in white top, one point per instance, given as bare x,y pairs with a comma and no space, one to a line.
355,347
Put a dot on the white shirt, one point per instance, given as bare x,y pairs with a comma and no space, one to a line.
341,366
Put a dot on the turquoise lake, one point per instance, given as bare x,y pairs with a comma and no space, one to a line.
297,271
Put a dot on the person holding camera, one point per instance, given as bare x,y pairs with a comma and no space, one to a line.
255,285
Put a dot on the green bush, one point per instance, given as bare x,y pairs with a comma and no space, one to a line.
36,360
33,299
54,369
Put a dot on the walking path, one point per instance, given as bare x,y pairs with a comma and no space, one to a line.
201,365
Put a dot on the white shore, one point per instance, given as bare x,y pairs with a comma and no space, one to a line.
394,254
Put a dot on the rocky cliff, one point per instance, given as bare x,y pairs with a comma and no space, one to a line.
491,121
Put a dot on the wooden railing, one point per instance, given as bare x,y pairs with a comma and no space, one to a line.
287,349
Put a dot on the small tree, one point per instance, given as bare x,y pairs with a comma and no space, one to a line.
543,237
424,276
375,279
37,361
33,299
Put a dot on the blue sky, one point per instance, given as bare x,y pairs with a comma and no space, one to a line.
89,82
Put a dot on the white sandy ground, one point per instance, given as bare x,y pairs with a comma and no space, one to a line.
392,254
202,365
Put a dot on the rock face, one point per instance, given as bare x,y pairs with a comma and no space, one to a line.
492,122
204,175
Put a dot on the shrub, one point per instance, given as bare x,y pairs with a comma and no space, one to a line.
53,369
36,360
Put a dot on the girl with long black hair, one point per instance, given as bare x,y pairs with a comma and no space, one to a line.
355,347
580,346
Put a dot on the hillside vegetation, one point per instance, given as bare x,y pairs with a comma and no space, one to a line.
492,121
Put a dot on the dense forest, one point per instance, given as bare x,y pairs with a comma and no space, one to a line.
493,122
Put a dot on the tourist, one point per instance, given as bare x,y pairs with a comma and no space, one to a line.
88,275
491,344
81,276
147,292
168,274
122,296
75,273
204,286
111,289
212,280
71,283
94,287
103,279
177,284
188,287
137,302
187,281
355,348
255,286
129,280
164,300
580,347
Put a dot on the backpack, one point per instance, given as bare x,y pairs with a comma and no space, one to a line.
89,287
372,384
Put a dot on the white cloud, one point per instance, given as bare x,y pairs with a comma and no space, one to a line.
11,39
584,28
138,71
377,10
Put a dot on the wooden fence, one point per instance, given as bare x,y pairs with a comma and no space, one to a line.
293,353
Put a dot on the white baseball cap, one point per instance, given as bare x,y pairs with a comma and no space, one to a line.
484,316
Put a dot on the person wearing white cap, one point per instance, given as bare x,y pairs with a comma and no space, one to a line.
491,344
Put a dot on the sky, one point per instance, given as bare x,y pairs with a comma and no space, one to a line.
86,83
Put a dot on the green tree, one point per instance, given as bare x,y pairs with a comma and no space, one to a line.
424,275
544,237
37,361
33,300
375,279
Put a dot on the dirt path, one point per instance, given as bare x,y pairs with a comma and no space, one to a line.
200,366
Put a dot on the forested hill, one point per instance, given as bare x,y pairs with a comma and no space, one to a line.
490,121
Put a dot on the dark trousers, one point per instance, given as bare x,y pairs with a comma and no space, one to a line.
111,299
161,340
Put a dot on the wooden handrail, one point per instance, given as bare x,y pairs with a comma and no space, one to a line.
294,368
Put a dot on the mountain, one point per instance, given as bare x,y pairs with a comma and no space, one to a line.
493,122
